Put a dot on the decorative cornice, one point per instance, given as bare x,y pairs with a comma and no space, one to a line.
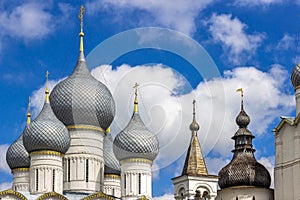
46,152
286,121
99,194
134,160
20,169
112,176
52,194
11,192
86,127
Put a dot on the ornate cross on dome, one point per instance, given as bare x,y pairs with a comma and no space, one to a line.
135,108
47,90
80,17
28,112
242,97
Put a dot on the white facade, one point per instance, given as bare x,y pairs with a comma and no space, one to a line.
46,172
83,162
185,187
136,178
112,185
21,179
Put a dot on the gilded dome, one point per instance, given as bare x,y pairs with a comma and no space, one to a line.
244,170
135,141
112,165
295,78
82,100
17,156
46,132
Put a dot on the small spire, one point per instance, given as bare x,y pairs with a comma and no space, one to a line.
47,89
28,112
242,97
81,34
194,125
135,108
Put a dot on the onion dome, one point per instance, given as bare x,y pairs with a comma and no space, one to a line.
16,155
46,132
135,140
194,164
295,78
112,165
81,99
243,169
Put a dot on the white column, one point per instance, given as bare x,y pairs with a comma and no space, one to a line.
112,185
85,145
21,179
41,172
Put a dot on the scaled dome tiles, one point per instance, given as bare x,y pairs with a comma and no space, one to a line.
135,141
295,78
46,132
82,100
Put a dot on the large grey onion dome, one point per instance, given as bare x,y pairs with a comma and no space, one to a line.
112,165
135,140
295,78
17,156
244,170
46,132
81,99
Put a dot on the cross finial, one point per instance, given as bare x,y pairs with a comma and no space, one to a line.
80,17
242,97
47,89
194,112
28,112
135,108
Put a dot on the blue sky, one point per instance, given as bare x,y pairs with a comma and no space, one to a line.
254,45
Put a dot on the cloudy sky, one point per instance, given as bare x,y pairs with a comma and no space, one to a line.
176,50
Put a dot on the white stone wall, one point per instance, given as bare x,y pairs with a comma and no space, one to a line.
287,168
41,171
85,145
246,192
21,180
185,187
112,185
130,172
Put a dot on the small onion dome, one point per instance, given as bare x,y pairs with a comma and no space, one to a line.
112,165
46,132
194,125
242,120
296,76
135,141
17,156
244,170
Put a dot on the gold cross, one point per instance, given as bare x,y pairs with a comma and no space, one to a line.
136,85
80,16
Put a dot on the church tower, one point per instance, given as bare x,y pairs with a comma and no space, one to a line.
46,140
18,160
87,108
195,182
287,149
244,177
136,147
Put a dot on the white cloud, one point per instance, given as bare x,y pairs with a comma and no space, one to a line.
5,186
169,115
269,163
164,197
214,165
231,33
177,14
3,164
256,3
286,42
28,21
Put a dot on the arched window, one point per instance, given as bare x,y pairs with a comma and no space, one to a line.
87,170
69,169
36,179
140,182
53,180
